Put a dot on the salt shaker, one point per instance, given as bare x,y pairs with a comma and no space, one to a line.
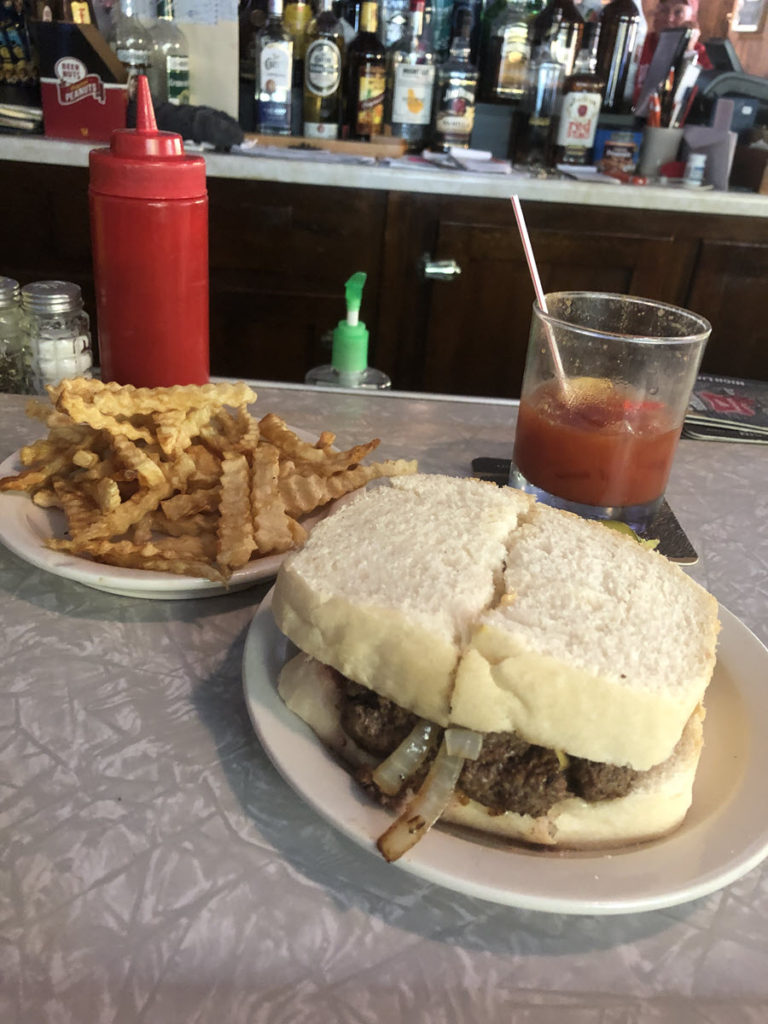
57,329
15,370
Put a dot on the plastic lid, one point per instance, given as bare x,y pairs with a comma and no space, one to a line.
350,347
350,337
144,163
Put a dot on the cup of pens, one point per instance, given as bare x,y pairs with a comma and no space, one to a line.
660,146
606,386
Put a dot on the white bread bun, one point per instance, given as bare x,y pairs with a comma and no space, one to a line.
473,605
599,646
655,806
387,588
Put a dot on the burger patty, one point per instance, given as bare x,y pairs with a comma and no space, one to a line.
509,774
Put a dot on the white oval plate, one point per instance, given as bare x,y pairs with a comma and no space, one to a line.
24,528
723,837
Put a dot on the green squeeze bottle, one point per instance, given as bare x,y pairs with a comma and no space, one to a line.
349,356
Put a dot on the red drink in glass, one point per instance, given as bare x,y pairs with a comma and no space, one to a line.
598,444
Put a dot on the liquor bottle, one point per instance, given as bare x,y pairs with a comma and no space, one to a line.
297,14
78,11
567,41
393,21
274,71
169,69
507,54
411,82
132,43
534,124
619,24
456,89
582,99
323,63
348,13
366,76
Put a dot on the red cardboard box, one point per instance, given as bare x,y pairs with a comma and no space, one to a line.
82,83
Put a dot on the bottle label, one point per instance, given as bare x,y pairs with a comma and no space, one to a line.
323,67
177,68
412,93
578,119
456,114
313,130
370,101
274,91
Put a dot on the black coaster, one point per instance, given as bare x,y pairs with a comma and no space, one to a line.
664,527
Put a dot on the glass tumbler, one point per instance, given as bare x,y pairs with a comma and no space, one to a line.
606,386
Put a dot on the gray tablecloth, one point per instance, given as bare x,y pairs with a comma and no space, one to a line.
154,867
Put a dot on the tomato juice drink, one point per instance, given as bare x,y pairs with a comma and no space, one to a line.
606,386
596,443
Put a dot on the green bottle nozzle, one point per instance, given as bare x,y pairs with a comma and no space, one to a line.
350,337
353,291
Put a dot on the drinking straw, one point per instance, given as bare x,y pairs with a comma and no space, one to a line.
540,297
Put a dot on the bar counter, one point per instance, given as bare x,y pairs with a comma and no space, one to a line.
430,182
157,868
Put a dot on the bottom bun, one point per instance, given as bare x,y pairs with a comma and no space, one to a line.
656,805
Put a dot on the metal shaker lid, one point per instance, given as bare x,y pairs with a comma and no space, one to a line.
9,291
51,297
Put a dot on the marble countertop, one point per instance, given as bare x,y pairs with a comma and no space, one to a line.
156,868
489,186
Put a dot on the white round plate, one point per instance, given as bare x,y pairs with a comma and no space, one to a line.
24,528
723,837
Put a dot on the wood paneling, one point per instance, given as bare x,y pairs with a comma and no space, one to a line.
280,256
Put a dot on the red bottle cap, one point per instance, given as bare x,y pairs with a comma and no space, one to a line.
143,163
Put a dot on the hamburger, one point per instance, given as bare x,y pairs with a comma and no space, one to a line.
477,657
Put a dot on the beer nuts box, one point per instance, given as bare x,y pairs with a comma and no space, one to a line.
82,83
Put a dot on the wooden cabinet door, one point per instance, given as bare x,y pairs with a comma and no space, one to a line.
280,256
478,323
729,289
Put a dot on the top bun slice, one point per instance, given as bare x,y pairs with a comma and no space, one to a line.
474,605
387,589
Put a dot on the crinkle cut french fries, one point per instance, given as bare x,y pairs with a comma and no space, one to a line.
181,479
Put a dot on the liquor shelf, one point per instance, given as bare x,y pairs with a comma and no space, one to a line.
431,180
285,234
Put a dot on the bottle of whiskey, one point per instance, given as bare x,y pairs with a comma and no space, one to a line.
411,82
566,42
366,76
323,63
456,89
169,70
619,24
506,55
534,123
582,99
274,70
297,15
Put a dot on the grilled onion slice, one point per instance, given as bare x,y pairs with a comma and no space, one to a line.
424,808
390,775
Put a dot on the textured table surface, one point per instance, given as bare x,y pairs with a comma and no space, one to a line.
155,868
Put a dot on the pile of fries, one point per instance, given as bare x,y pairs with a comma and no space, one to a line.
181,479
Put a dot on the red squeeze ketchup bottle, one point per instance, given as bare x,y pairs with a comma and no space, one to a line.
149,232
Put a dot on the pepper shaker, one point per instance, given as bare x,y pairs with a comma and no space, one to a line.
57,329
15,369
